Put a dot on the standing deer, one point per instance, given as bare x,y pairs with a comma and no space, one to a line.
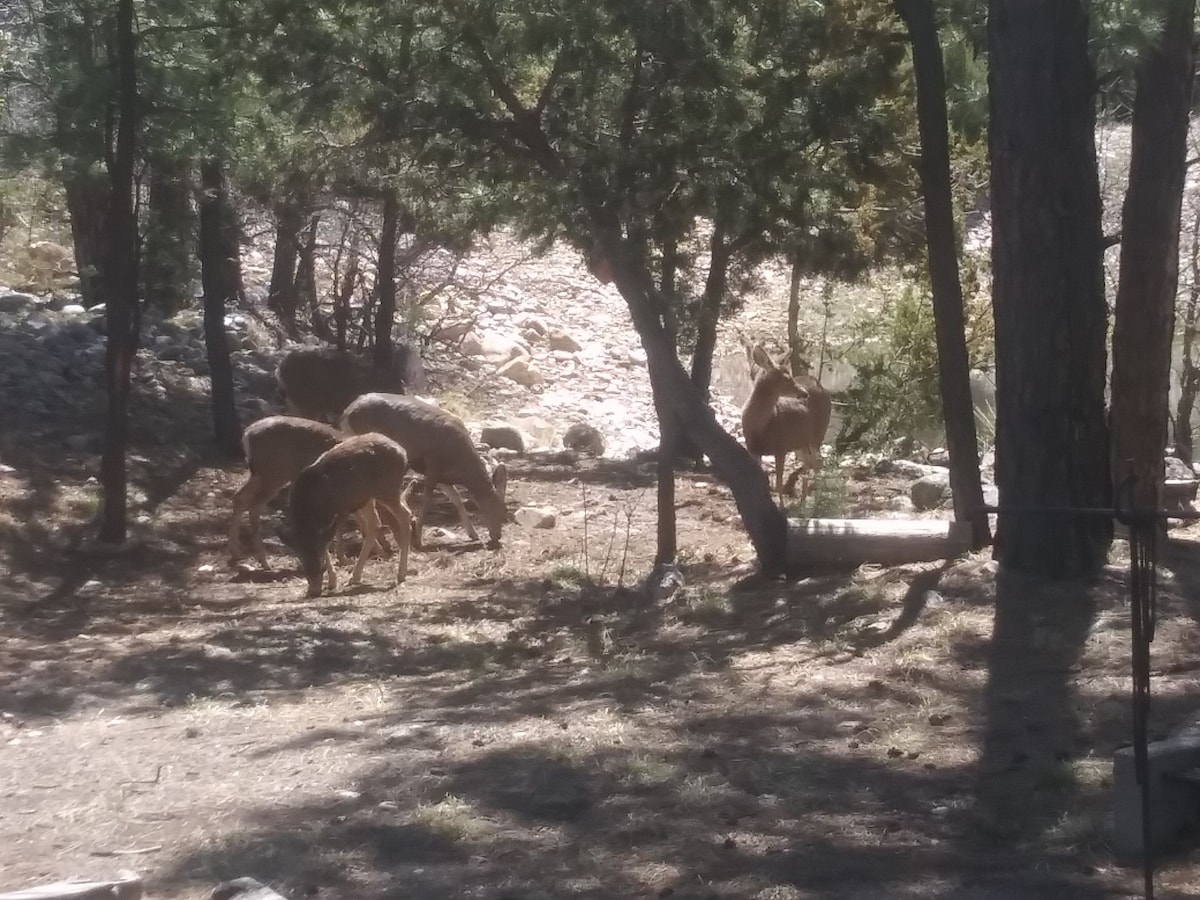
320,382
785,414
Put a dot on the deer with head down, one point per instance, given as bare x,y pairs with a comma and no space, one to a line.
277,449
440,448
785,414
358,476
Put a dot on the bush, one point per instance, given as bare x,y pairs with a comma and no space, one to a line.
896,396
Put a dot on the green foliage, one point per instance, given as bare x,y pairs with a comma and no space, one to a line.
896,394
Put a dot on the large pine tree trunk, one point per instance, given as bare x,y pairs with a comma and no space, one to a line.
954,371
385,285
120,289
1048,288
220,274
1149,275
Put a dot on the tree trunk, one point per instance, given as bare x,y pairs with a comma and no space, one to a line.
283,296
88,198
677,401
709,313
1048,288
385,314
1189,371
954,370
306,271
169,242
341,309
219,272
667,531
120,287
795,352
1149,276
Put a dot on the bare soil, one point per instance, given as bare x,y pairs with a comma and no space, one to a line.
524,723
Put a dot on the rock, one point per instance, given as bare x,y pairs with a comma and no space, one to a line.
51,258
1178,470
494,348
522,371
536,517
454,331
584,438
930,491
17,302
503,436
939,456
906,468
561,340
534,325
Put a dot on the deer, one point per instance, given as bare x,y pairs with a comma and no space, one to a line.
359,475
785,413
440,448
320,382
277,448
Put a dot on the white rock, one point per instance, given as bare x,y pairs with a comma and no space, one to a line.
536,517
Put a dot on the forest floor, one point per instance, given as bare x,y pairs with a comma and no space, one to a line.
524,724
505,726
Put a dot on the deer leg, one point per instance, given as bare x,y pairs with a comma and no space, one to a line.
450,491
368,521
426,497
330,572
780,462
240,498
400,521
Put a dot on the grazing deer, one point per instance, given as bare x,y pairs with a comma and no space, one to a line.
785,414
277,448
320,382
361,474
440,448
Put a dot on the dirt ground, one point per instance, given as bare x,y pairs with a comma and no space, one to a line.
523,723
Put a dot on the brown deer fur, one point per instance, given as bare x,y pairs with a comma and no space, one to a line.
785,414
440,448
360,472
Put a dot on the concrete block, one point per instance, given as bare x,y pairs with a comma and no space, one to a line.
1174,805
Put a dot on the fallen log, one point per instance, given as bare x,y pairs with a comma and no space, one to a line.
125,888
838,543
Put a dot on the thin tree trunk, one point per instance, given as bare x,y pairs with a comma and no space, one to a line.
219,268
1048,288
169,245
954,370
306,273
677,401
666,534
88,199
1189,372
709,313
341,309
385,314
283,296
1149,274
121,286
793,317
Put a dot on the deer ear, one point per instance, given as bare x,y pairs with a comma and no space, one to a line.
760,357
